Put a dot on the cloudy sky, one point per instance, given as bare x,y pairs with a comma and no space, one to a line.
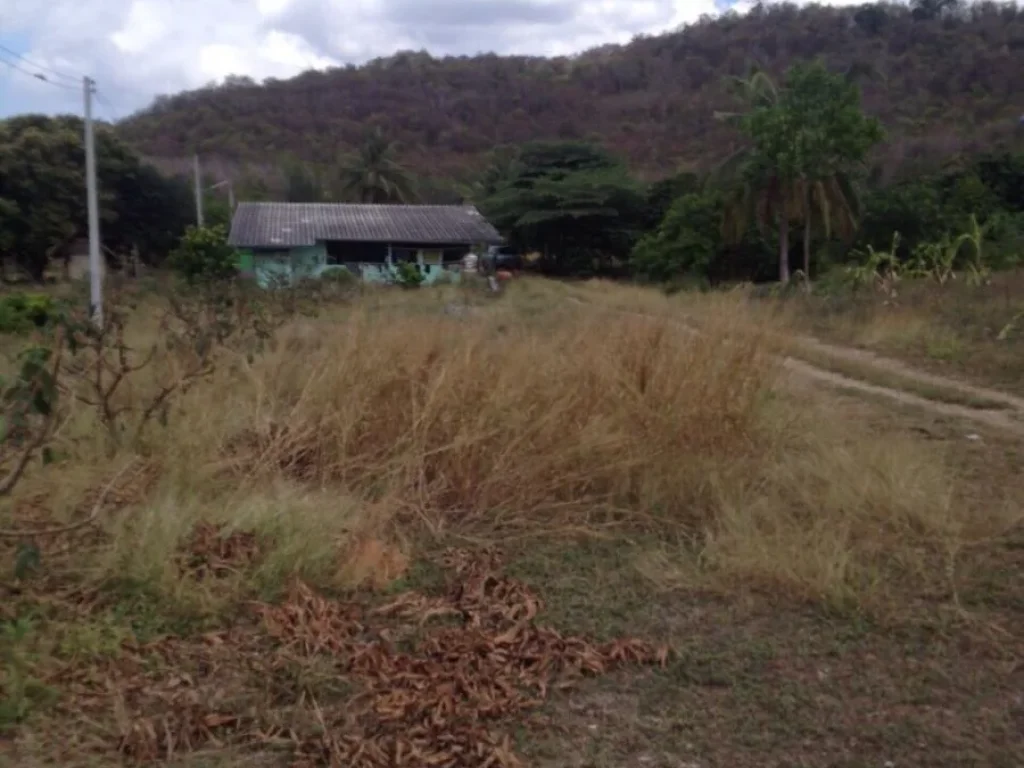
136,49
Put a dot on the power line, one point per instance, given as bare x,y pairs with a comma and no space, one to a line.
36,65
37,76
111,110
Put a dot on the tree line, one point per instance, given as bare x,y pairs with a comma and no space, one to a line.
796,195
43,202
947,82
798,189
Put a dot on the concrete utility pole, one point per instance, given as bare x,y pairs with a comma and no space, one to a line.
95,262
231,192
199,190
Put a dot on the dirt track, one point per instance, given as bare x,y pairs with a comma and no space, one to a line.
1008,417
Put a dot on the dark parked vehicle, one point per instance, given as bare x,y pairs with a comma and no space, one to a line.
505,257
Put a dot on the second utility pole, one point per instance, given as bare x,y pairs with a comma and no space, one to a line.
199,190
92,200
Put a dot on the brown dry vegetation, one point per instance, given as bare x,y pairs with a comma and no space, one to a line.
270,578
968,333
971,332
942,86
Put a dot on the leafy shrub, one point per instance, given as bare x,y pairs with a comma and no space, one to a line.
1004,239
21,312
205,256
408,276
686,242
337,275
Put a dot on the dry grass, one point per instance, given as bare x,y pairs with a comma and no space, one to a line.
401,424
364,441
973,332
949,330
391,420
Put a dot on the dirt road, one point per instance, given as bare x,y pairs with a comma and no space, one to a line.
1010,418
992,408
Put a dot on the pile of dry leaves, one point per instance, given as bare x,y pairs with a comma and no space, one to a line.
424,680
475,659
429,681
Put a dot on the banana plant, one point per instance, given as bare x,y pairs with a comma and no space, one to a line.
880,269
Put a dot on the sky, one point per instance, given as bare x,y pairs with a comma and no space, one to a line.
137,49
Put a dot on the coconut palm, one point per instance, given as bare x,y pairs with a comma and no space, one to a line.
373,173
832,204
758,194
765,199
757,89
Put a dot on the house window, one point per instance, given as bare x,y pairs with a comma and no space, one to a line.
401,253
346,252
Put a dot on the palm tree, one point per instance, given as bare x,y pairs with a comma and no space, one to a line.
766,199
373,173
758,194
762,195
757,89
832,203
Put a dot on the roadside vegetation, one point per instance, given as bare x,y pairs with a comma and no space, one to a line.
588,523
329,501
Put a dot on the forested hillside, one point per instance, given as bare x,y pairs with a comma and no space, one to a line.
942,79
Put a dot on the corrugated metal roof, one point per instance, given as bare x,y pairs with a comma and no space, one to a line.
270,225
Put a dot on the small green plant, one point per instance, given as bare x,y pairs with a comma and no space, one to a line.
879,269
20,691
29,411
1011,327
938,261
23,312
337,275
205,256
408,275
934,260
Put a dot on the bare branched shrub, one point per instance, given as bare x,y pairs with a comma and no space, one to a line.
155,347
29,416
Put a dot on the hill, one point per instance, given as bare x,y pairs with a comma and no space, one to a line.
945,81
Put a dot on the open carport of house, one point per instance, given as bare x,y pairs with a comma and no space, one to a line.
285,242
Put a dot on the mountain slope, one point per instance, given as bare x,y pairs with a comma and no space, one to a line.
942,85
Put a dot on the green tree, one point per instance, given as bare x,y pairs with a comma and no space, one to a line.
924,10
913,208
803,146
502,167
42,180
573,202
687,241
830,205
373,174
205,256
663,193
756,89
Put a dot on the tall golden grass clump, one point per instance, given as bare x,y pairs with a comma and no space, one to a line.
359,430
467,422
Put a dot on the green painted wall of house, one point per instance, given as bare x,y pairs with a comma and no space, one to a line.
272,268
285,267
245,262
383,273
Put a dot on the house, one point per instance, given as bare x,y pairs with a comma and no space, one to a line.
283,242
